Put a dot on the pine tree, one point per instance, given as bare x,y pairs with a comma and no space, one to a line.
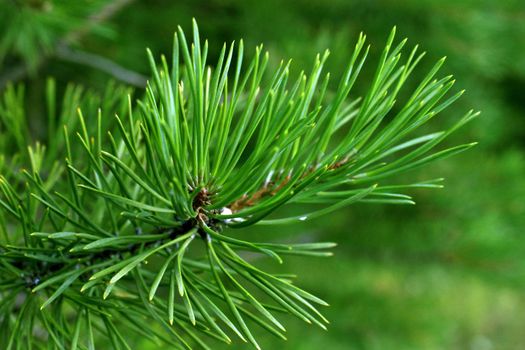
124,224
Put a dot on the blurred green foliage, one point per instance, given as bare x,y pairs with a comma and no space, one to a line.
447,273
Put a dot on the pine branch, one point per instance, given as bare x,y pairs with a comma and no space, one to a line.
105,13
133,230
62,50
103,64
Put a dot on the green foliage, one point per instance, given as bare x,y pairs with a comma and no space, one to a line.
32,29
133,230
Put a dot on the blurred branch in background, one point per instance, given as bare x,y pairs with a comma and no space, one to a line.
63,51
101,63
103,15
13,74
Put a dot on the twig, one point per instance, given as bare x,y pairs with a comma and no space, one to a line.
103,64
105,13
21,71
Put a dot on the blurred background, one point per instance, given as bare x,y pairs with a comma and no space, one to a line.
448,273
